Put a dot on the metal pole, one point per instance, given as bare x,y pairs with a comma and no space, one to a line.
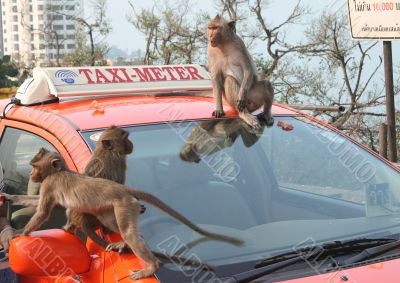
390,110
338,108
383,140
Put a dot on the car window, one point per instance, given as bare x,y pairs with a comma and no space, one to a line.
226,177
17,148
314,159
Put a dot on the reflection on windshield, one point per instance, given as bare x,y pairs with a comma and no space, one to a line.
208,137
275,188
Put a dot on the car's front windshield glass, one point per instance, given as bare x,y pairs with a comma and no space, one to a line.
276,188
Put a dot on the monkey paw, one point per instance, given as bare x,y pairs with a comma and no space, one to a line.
118,247
137,274
18,233
218,113
142,273
69,228
269,122
241,105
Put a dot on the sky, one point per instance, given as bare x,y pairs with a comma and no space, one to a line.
126,37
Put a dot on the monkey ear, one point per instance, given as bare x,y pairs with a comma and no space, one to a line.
107,144
232,25
56,163
42,151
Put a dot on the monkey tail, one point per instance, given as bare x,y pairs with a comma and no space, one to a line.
94,237
164,207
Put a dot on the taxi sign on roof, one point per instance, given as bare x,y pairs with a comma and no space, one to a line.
64,83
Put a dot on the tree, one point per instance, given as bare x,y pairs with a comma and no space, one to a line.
46,31
325,67
356,85
84,55
173,34
7,71
96,28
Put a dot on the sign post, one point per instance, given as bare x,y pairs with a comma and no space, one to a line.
377,20
390,109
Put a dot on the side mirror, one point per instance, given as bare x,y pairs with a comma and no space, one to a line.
48,253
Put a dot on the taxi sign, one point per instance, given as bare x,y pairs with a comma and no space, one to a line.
66,83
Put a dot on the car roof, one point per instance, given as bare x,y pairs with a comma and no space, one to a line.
89,114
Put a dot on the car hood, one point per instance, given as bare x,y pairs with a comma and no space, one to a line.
387,271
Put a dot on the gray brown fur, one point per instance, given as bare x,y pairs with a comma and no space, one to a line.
108,161
211,136
234,75
116,206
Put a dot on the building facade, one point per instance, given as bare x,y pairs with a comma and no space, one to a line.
40,32
1,33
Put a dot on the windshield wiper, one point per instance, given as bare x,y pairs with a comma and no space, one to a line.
326,248
272,264
370,252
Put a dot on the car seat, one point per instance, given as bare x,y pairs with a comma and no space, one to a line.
194,191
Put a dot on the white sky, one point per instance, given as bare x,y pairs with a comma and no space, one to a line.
126,37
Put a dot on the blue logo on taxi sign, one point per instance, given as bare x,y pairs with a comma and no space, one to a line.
66,76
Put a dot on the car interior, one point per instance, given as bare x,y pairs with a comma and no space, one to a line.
17,149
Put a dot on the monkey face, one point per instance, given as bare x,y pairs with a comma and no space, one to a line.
128,146
116,140
188,153
45,163
35,175
214,34
219,30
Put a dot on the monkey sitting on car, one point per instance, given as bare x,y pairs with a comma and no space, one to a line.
234,75
116,206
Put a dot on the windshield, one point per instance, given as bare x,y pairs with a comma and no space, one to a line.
277,188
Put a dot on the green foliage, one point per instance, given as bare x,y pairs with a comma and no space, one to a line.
82,55
173,34
7,71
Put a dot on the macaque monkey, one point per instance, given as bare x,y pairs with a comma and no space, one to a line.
209,137
234,75
116,206
108,161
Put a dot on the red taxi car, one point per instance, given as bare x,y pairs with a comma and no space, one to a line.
311,204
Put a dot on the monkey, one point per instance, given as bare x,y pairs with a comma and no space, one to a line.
116,206
234,75
108,161
211,136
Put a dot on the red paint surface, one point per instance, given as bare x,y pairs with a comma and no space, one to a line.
130,110
384,272
60,122
49,253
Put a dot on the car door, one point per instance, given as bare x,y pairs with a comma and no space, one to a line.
19,143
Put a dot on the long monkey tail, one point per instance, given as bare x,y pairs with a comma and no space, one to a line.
88,229
140,195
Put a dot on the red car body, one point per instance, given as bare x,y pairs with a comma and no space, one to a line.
56,256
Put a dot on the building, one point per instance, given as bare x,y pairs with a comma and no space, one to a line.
1,34
40,32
